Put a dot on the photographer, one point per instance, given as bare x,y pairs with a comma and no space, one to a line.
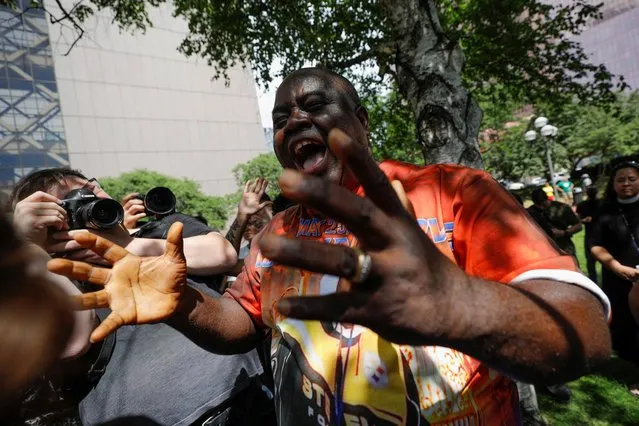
35,212
142,369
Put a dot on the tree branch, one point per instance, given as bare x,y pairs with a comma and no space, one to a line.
67,15
384,49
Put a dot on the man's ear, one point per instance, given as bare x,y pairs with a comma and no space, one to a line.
362,116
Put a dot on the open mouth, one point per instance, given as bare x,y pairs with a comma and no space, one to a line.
309,156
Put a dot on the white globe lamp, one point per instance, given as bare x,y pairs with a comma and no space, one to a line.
548,131
530,136
541,122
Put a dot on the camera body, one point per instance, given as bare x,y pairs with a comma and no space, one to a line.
86,210
158,202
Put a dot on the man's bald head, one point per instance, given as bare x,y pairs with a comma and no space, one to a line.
347,88
309,104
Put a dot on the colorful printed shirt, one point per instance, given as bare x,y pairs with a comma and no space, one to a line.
324,371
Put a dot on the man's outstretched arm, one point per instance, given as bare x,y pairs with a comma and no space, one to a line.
217,324
146,290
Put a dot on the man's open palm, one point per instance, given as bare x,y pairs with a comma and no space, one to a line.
138,290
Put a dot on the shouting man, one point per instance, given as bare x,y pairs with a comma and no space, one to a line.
449,300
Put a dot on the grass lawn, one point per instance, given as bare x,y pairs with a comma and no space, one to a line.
600,399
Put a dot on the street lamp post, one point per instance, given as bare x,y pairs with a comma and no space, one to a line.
548,132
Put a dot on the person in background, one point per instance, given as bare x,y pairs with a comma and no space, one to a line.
563,221
550,192
254,211
254,199
614,243
588,212
565,186
539,216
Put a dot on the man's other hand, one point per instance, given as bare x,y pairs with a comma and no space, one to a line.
138,290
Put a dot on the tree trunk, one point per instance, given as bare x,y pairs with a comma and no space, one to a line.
428,68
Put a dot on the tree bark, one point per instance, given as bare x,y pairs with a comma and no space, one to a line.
428,68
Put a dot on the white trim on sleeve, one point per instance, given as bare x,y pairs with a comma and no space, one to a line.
570,277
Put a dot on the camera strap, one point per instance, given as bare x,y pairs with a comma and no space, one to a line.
98,367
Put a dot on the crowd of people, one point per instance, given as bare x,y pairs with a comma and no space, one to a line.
611,224
365,294
611,230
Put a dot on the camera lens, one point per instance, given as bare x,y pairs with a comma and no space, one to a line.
160,201
104,214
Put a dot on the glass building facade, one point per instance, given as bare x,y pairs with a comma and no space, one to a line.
31,126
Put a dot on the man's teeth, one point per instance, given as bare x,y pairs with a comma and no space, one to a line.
301,145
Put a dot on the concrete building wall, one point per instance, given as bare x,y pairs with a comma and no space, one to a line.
615,43
133,101
613,40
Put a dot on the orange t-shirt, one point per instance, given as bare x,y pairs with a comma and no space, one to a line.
474,222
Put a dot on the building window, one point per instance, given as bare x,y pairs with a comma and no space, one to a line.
31,129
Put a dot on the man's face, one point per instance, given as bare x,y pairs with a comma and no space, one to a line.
307,108
69,183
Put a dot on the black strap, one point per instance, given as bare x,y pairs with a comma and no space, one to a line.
98,367
632,234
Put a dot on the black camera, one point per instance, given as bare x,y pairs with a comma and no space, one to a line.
86,210
158,202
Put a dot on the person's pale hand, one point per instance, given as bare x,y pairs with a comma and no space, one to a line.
250,202
587,219
627,273
138,290
33,216
409,276
133,210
